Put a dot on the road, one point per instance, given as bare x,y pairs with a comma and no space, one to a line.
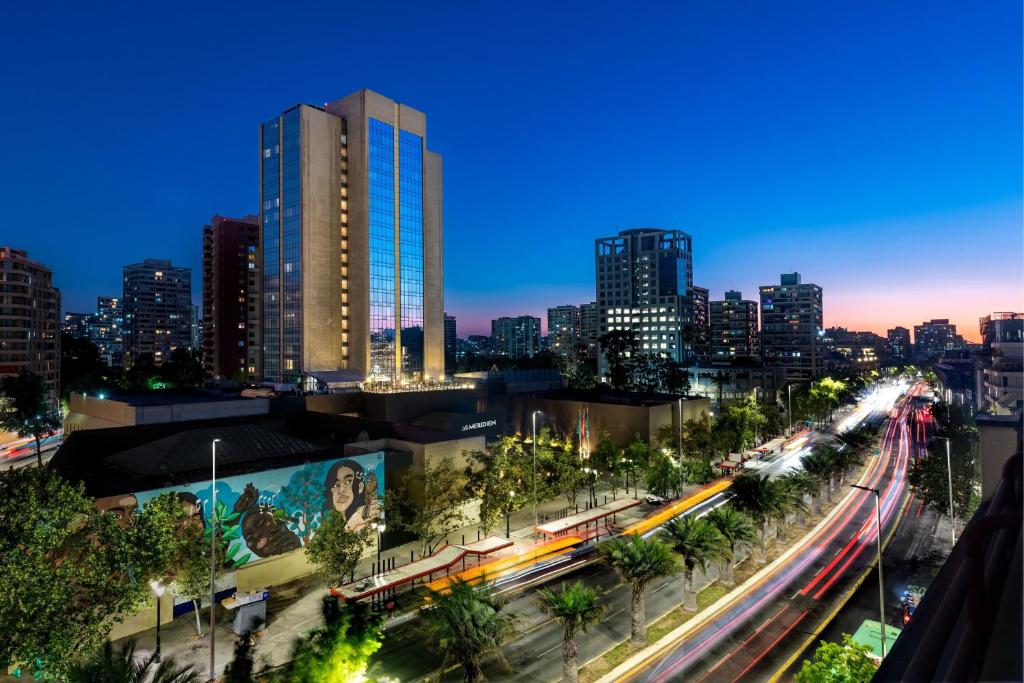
752,637
23,451
536,655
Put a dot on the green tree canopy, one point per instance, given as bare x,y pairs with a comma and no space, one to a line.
835,663
576,608
430,505
335,549
27,408
638,561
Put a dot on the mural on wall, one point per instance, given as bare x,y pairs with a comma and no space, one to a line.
268,513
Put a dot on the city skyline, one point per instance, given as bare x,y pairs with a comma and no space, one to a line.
888,163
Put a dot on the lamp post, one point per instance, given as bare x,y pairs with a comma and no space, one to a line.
533,419
213,553
881,582
158,590
508,514
949,474
789,412
379,528
679,444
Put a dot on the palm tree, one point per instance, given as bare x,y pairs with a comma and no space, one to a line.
26,409
122,665
698,542
755,495
789,501
738,532
466,623
577,609
831,456
819,468
803,485
639,561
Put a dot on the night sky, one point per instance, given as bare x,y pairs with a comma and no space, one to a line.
873,146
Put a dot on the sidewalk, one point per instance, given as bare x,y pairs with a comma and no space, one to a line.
294,608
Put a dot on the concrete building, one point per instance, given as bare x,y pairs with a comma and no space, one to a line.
516,337
724,383
231,297
934,337
701,330
849,349
898,343
791,327
351,221
590,329
1002,374
77,325
157,302
734,328
29,319
108,330
1001,327
451,342
644,285
564,328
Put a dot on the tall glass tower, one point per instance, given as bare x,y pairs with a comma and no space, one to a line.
352,261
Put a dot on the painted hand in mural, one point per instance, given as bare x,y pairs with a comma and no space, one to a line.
373,506
248,499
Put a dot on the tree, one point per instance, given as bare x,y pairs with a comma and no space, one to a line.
606,458
738,425
121,665
758,497
664,476
27,409
698,543
819,465
335,549
340,649
81,368
835,663
929,476
789,497
619,347
467,623
638,561
738,532
568,469
500,480
192,580
576,607
183,369
429,505
71,571
801,486
698,449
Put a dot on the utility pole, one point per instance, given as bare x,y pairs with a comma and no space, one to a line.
881,582
213,556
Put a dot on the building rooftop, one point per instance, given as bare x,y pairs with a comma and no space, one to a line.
613,397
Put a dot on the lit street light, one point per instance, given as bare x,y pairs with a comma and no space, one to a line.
158,590
379,528
213,554
508,514
533,419
881,583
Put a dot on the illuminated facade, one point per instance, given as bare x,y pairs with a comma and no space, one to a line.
230,323
644,285
791,327
351,220
29,319
564,330
734,328
157,299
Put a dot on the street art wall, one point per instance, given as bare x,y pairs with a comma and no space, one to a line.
268,513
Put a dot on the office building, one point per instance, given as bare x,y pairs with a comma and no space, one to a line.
1001,327
701,329
898,342
849,349
935,337
230,327
564,330
157,300
451,342
1002,372
590,326
516,337
351,226
734,328
791,327
29,319
644,283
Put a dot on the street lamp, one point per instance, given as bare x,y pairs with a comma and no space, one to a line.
680,435
379,528
789,392
508,514
591,475
949,473
881,583
213,553
533,419
158,590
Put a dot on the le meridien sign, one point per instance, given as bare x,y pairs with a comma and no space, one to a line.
479,425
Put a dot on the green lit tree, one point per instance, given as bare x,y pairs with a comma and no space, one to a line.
339,650
576,608
838,663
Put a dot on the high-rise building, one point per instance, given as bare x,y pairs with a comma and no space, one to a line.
157,303
108,330
935,337
78,325
734,328
230,326
351,225
644,282
1001,327
590,326
29,319
791,327
451,341
564,330
898,343
516,337
1002,373
853,349
701,330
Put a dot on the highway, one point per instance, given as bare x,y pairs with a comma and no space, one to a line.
536,655
756,633
22,452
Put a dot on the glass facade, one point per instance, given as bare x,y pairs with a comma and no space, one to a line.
410,225
282,247
381,194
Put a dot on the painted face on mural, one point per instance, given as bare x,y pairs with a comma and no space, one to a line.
351,491
265,535
122,507
345,488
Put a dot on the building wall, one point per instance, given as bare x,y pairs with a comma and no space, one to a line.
433,267
157,299
791,323
230,297
92,412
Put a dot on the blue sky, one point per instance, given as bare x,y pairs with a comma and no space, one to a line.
874,146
